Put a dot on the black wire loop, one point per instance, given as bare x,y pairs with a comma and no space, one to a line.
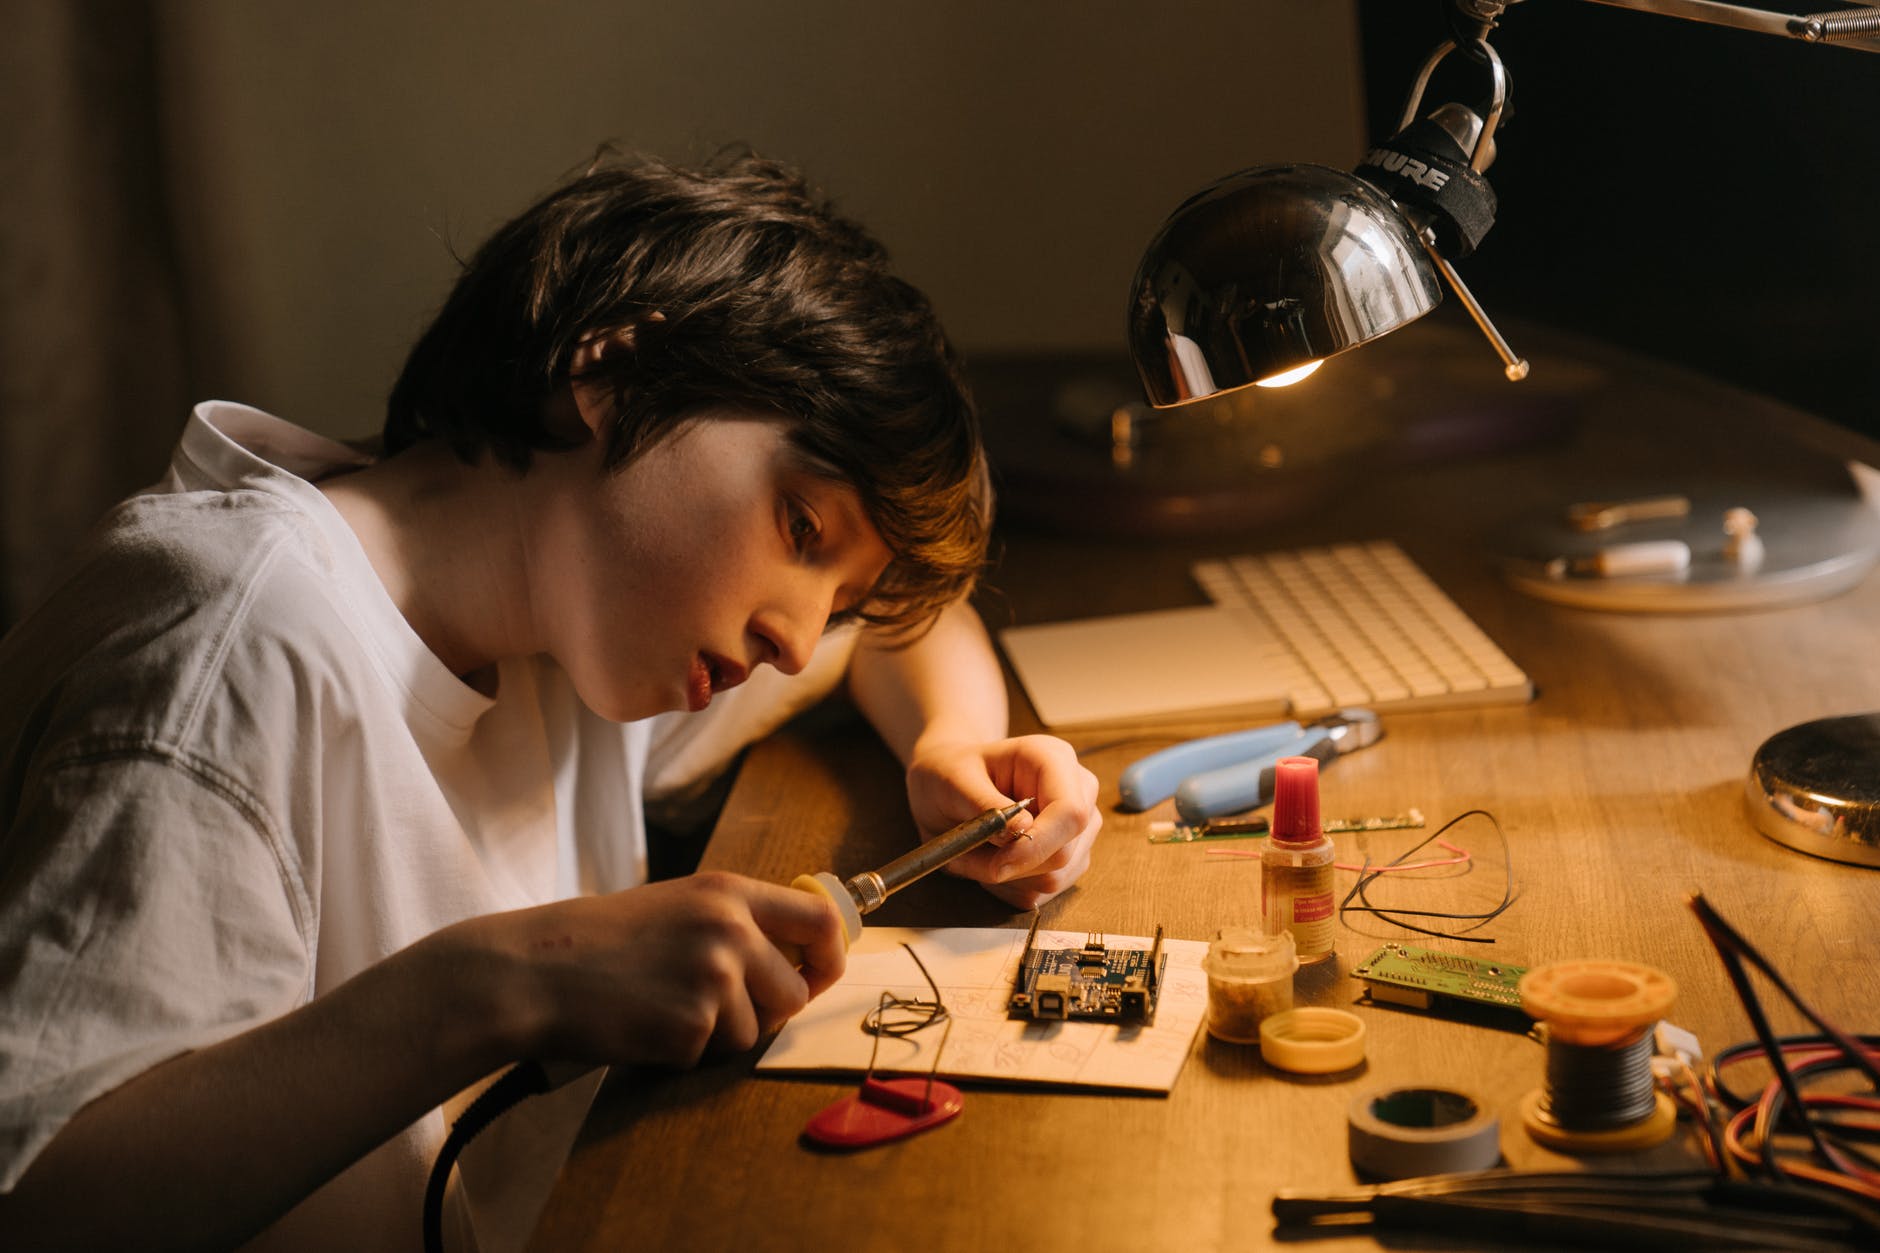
900,1016
1395,916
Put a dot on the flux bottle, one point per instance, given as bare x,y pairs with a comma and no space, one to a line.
1296,891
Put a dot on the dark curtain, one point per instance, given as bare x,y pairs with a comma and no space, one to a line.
93,378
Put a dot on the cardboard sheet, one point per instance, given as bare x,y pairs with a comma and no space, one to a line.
974,968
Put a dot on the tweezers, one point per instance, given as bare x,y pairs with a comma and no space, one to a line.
1683,1209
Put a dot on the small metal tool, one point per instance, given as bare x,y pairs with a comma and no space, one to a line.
1603,515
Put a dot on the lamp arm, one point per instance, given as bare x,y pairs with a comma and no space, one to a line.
1857,27
1849,27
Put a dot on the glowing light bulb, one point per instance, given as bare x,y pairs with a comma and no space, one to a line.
1286,378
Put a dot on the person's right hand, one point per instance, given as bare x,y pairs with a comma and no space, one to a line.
658,974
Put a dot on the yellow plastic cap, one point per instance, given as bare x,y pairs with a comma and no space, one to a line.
1312,1040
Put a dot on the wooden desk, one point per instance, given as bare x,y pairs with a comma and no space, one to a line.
1619,789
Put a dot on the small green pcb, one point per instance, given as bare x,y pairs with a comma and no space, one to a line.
1405,974
1093,983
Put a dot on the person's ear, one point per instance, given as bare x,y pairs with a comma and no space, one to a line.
594,401
601,346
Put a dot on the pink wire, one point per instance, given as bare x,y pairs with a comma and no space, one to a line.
1460,858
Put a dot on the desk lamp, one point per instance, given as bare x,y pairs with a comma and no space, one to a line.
1260,277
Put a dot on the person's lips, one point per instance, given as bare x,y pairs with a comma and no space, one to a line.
726,673
711,673
698,684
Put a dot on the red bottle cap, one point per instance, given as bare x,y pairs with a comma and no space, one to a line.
1296,801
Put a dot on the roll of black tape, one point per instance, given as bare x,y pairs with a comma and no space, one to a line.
1402,1133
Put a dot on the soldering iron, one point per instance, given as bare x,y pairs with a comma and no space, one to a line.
864,893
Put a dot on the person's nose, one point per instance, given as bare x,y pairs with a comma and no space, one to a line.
792,625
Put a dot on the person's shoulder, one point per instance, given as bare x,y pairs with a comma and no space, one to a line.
239,495
203,558
178,597
209,526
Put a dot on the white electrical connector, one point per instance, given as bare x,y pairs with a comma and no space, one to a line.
1671,1041
1742,547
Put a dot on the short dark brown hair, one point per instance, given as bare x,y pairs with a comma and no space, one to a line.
738,286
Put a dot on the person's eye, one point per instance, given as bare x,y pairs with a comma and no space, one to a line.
803,526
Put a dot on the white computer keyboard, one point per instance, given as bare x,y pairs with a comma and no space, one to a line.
1362,624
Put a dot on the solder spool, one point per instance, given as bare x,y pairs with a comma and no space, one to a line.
1599,1018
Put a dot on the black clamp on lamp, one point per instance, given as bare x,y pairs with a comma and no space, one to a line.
1433,169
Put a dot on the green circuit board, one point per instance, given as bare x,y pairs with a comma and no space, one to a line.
1407,974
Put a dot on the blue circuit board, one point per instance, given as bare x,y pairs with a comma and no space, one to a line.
1092,983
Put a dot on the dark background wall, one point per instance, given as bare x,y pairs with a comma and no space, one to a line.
329,159
264,202
1705,195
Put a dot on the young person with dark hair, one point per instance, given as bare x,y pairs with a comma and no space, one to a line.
322,776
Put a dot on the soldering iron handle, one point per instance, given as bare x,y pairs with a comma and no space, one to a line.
827,885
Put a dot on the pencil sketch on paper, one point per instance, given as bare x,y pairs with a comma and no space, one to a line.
974,968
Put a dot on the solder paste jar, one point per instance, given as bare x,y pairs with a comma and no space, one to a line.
1250,976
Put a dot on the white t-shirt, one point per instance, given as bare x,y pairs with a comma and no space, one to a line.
232,777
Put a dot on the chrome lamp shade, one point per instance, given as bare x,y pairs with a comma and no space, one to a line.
1269,270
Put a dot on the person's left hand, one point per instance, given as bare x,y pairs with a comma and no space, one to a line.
1043,850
